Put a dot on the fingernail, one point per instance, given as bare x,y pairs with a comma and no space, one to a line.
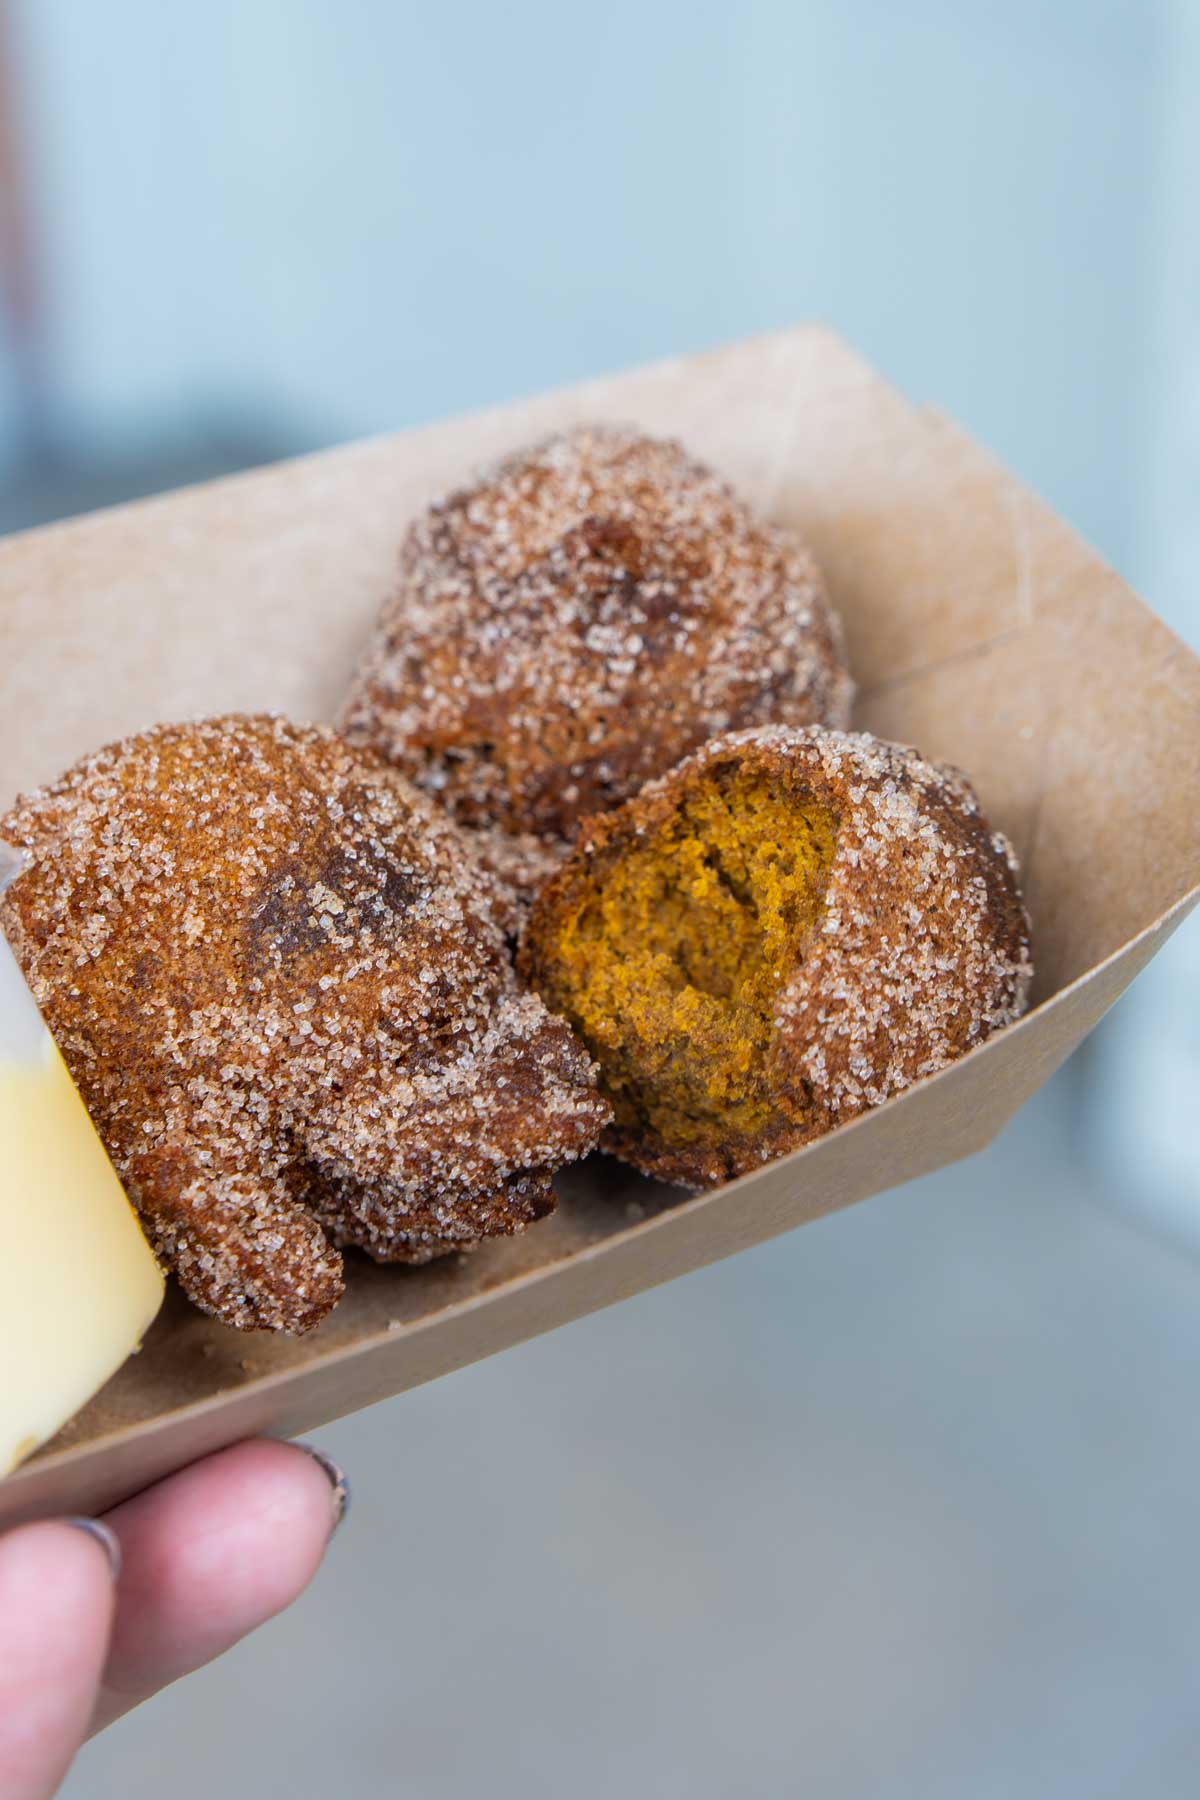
337,1480
108,1541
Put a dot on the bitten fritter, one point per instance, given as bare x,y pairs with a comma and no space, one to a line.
789,928
572,624
283,985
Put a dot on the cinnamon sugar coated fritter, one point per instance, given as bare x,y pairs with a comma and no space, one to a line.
282,984
575,622
789,928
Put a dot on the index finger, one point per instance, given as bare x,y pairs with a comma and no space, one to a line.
208,1555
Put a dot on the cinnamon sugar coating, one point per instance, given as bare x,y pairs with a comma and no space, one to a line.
789,928
282,983
572,624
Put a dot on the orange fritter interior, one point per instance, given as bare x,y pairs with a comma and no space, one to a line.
669,963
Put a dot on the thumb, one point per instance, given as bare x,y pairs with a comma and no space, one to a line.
57,1593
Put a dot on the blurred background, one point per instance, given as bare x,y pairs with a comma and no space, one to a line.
903,1505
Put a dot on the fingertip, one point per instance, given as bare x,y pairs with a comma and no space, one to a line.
336,1476
57,1571
106,1538
250,1524
209,1555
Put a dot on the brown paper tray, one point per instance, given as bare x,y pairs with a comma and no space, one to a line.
980,629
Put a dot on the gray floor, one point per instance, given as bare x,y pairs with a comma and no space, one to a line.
901,1507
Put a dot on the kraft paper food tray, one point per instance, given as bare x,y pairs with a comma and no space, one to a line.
980,629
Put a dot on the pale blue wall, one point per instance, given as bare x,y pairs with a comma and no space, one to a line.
358,214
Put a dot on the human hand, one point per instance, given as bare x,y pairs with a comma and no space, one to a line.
97,1615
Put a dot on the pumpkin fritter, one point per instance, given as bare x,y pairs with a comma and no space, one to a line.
574,622
283,986
790,927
